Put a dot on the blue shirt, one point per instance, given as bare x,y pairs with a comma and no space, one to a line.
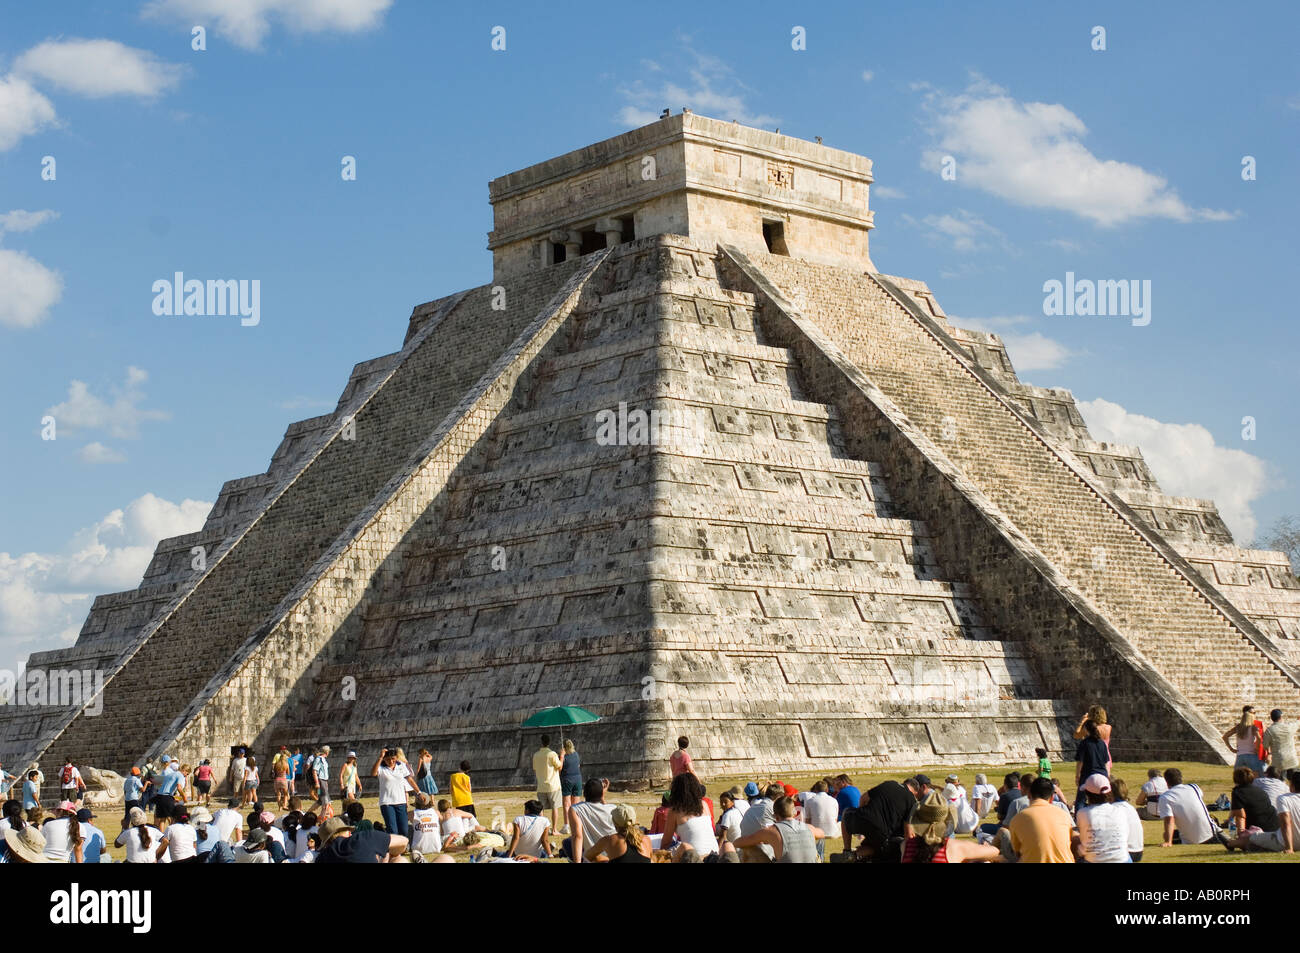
295,765
31,795
848,796
92,845
131,788
204,844
170,781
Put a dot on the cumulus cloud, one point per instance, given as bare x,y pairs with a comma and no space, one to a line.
98,68
1028,350
713,90
44,597
21,220
98,453
30,289
119,414
868,75
885,192
1187,462
23,111
1033,154
248,22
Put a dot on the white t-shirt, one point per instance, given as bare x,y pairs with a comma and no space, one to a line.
819,810
1104,833
182,841
58,843
70,783
596,822
730,823
1274,788
245,856
455,825
1184,804
1290,804
135,854
698,832
532,831
1135,836
426,832
392,784
276,835
986,793
227,821
1153,789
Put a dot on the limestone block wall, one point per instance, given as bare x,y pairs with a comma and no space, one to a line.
1043,499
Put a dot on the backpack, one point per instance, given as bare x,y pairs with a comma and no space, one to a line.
67,774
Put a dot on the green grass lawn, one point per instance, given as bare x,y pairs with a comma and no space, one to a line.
496,808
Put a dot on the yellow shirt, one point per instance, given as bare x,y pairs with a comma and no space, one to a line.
546,765
460,793
1040,834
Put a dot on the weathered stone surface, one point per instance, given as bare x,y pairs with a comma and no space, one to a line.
829,528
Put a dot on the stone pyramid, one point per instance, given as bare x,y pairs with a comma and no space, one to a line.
690,462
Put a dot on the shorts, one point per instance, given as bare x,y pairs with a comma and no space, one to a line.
468,809
571,788
1268,840
324,793
203,787
250,785
550,800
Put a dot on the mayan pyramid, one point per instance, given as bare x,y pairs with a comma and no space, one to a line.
691,462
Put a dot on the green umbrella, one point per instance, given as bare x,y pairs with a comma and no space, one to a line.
556,717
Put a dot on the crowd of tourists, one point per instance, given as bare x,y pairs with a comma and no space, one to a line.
1032,817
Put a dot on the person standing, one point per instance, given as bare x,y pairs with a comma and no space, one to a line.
1279,740
31,791
570,779
462,792
132,789
546,767
1245,739
252,780
320,770
394,781
168,783
1097,715
280,777
203,782
680,761
350,778
70,782
822,811
424,779
238,762
1090,757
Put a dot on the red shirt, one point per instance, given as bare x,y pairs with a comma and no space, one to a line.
659,820
680,762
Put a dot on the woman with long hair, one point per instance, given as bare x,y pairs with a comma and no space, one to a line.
424,773
570,778
1244,739
627,845
1097,715
350,779
688,818
139,838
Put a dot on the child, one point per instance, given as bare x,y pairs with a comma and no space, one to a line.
1044,765
462,796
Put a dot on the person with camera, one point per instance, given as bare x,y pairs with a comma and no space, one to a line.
394,780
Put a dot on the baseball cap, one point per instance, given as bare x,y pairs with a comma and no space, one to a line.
135,770
791,790
1097,784
623,816
258,836
751,789
922,780
84,815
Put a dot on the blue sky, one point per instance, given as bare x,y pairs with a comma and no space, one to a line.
224,163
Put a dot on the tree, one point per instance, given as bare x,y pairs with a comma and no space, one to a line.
1284,536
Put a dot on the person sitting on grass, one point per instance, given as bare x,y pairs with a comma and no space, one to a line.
530,829
1136,839
931,842
1103,825
1040,833
792,841
688,818
455,825
1257,822
627,845
1183,811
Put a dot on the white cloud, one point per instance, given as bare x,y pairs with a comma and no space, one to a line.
1029,351
1032,154
98,68
30,289
247,22
23,111
44,597
868,76
1187,462
713,91
98,453
21,220
967,232
120,414
885,192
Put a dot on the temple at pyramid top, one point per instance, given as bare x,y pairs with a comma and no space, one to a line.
713,181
